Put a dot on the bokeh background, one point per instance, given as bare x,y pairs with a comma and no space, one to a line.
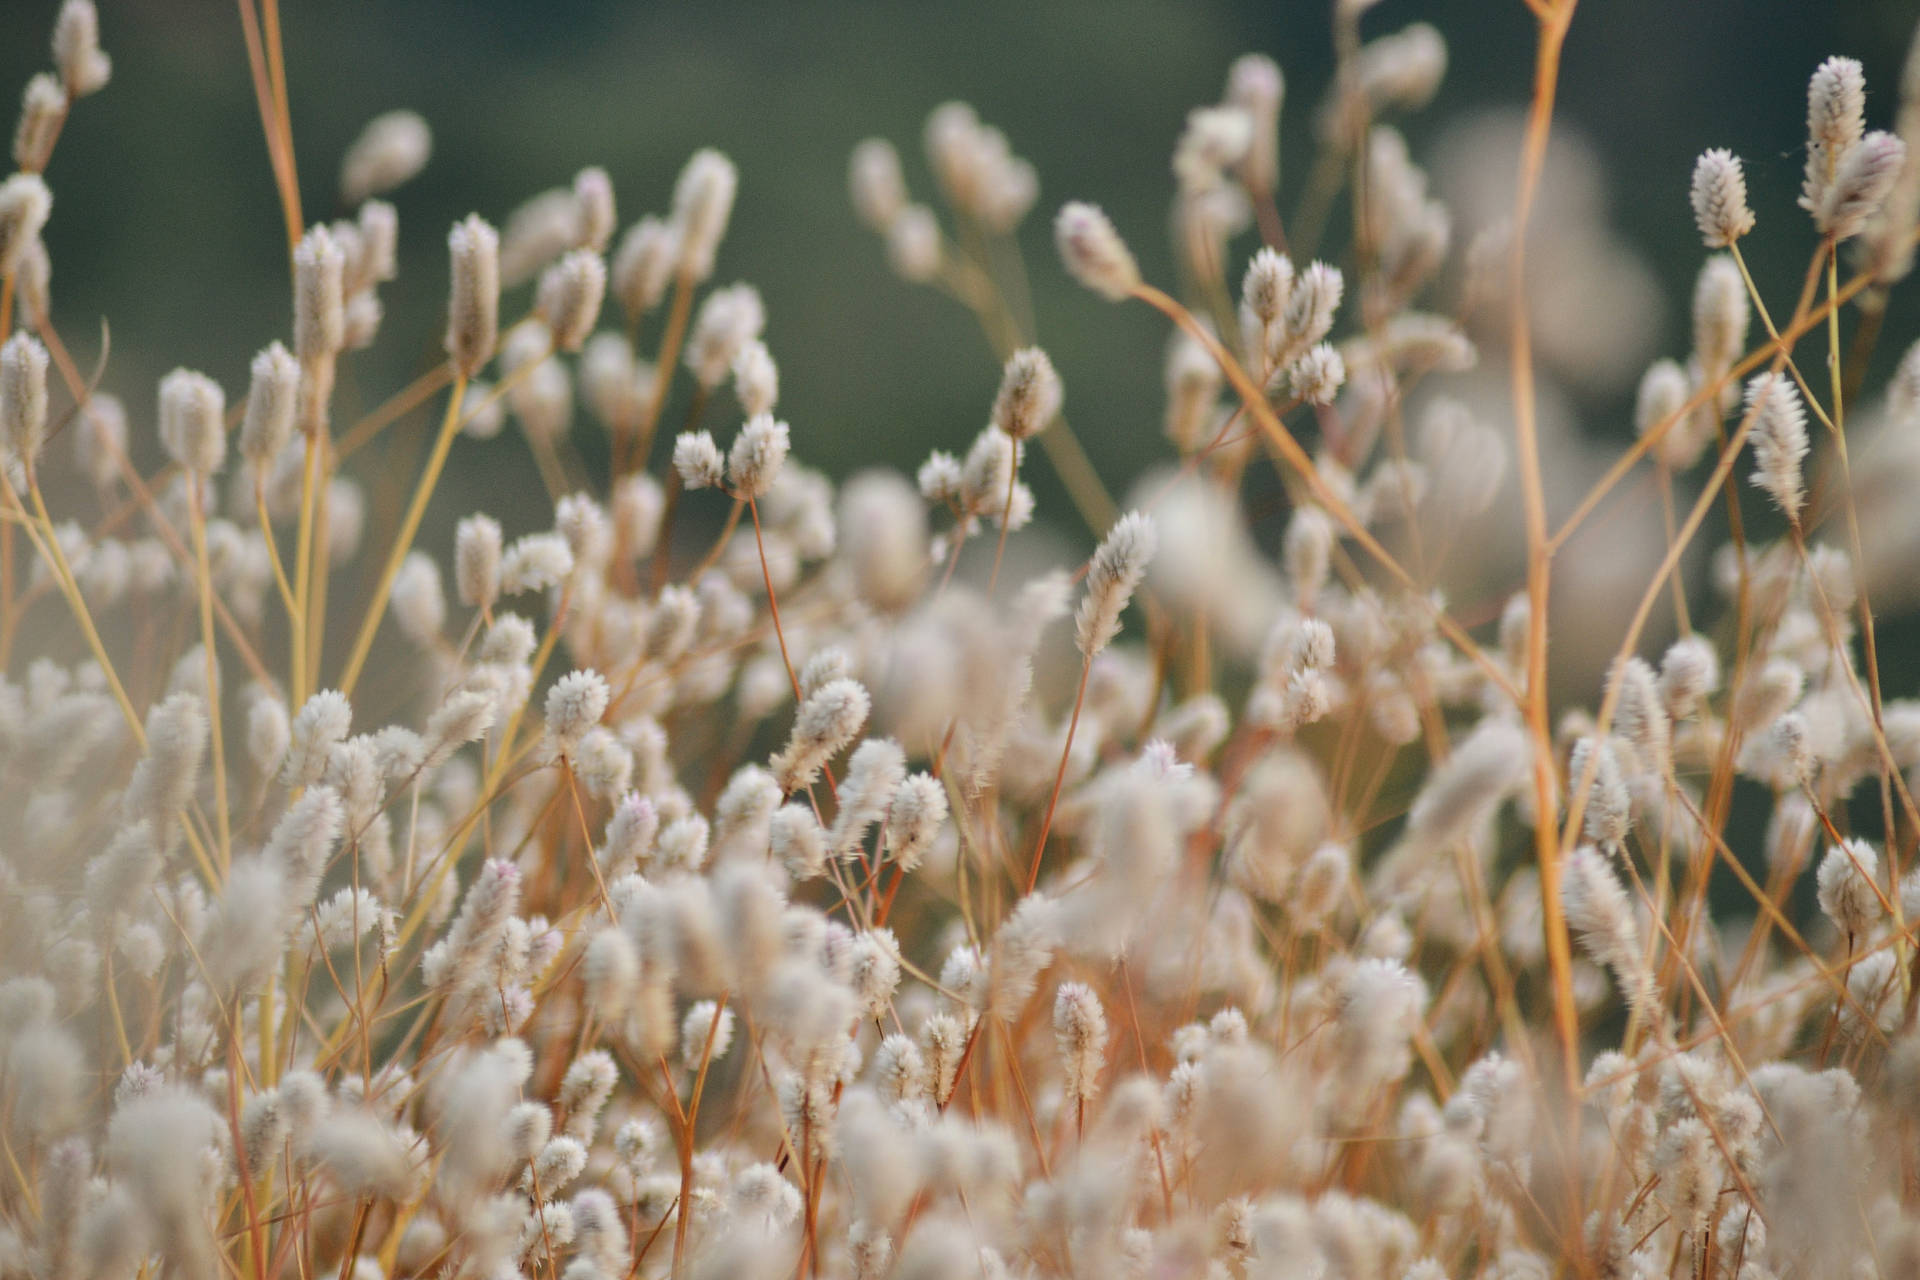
166,224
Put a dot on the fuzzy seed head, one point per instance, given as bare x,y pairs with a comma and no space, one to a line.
899,1071
1903,392
875,183
798,841
99,435
1779,440
362,1156
1789,742
875,772
756,379
1029,395
43,109
483,414
33,285
273,398
25,205
728,320
940,477
1094,252
697,458
630,833
643,265
176,746
1721,313
319,298
1268,286
569,297
1720,198
1640,715
702,204
1317,376
269,733
1600,916
988,471
1609,806
1689,673
1215,140
23,398
535,562
390,151
1307,551
599,1234
1308,316
706,1033
1117,568
683,844
243,934
1080,1030
874,970
1192,380
914,819
1403,68
1255,85
302,842
593,210
321,725
1836,117
477,547
1482,771
1320,888
575,704
193,421
473,305
419,601
76,49
1846,884
45,1069
754,462
943,1040
913,244
1867,173
464,717
157,1145
1662,394
827,721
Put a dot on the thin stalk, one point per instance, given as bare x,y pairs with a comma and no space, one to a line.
403,543
47,543
720,543
197,518
273,549
1006,518
301,684
682,308
277,73
1059,776
663,545
322,564
1554,22
397,406
268,99
773,603
1868,639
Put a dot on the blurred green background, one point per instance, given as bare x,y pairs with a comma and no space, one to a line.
165,219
